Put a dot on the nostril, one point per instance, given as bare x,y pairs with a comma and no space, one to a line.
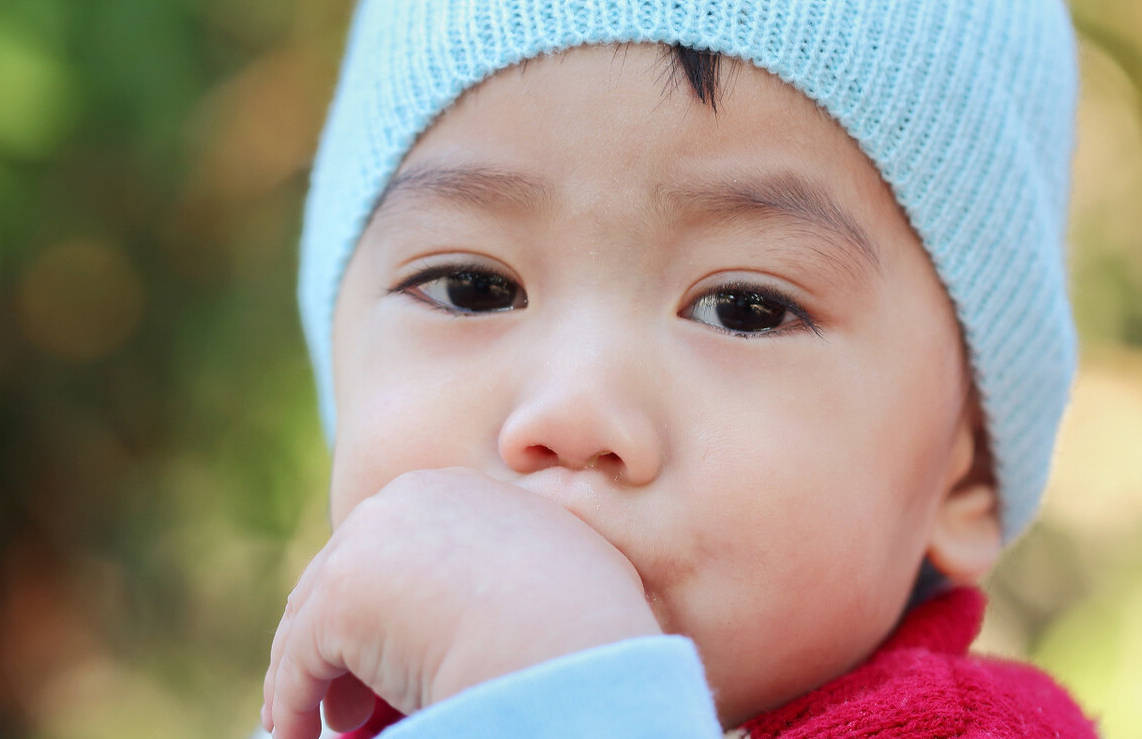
609,464
604,460
541,453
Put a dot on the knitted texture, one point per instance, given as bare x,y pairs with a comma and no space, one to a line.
966,107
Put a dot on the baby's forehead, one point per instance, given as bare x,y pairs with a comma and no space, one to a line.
592,119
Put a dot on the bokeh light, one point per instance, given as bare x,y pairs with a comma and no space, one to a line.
80,300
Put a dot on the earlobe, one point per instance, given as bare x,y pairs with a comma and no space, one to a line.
966,538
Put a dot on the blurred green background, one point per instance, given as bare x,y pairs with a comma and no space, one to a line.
164,476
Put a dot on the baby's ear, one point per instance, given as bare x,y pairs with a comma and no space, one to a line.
966,537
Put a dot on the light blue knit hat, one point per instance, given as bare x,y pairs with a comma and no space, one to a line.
965,106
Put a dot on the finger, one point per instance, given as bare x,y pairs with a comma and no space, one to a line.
294,602
348,704
302,680
276,648
293,716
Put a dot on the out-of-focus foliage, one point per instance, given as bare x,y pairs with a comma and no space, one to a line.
160,442
164,476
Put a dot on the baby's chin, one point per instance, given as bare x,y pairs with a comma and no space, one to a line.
789,656
738,701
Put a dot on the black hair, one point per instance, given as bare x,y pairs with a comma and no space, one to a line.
700,68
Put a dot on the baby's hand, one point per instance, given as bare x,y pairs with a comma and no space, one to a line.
443,579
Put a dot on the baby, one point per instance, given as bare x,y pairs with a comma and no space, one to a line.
686,363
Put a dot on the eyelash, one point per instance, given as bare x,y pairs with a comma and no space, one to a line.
805,321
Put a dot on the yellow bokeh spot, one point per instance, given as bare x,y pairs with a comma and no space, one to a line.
80,300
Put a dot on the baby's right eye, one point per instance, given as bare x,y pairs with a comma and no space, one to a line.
464,289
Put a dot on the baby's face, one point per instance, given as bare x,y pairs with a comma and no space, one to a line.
714,339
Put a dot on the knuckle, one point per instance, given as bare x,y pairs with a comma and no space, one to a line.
411,481
293,603
337,624
340,577
422,479
268,689
391,505
432,483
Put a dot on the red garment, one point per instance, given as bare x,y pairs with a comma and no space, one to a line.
921,682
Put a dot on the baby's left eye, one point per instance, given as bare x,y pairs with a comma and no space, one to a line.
748,310
466,290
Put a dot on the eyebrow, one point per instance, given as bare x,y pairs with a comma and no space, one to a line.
481,187
773,195
780,195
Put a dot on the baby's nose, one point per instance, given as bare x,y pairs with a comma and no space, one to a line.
595,411
577,434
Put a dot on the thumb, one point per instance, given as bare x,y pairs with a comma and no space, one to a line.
348,704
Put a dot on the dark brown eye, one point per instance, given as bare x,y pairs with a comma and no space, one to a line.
744,309
472,291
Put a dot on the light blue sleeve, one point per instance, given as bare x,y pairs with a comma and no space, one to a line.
651,686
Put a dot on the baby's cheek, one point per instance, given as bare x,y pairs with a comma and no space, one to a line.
776,574
774,629
388,434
